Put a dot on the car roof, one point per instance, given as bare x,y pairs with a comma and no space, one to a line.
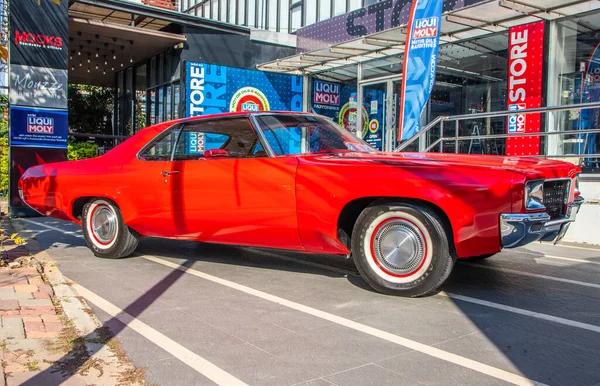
223,115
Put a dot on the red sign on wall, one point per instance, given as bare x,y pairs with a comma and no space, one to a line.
525,65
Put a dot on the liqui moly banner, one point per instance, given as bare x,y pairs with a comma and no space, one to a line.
41,128
420,60
525,66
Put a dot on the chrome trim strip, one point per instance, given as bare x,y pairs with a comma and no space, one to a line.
261,135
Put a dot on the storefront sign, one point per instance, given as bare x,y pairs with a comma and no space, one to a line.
326,93
38,87
31,127
420,61
376,17
525,65
39,33
213,89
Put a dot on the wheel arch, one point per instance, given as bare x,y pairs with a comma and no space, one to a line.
350,212
79,203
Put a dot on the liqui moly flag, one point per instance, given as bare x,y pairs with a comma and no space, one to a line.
420,60
592,91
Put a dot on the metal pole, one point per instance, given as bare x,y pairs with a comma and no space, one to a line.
456,138
306,93
359,102
441,136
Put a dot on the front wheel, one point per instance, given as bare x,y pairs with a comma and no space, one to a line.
105,232
401,249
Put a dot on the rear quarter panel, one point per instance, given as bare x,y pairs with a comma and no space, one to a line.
471,197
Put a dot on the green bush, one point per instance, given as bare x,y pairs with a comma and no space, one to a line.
81,150
3,157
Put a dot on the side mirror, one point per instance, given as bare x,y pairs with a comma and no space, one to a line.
215,153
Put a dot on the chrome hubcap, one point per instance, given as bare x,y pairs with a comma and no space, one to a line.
399,247
104,224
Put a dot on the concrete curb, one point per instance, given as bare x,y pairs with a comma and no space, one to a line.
74,306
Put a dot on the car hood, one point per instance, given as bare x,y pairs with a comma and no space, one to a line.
528,166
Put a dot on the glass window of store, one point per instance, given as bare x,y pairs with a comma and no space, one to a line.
148,93
574,77
471,78
283,16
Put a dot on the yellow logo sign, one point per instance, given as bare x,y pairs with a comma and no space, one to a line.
57,2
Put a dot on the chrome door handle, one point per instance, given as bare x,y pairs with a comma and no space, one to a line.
166,173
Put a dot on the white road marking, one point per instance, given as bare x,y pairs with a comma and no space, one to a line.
411,344
590,248
568,259
188,357
76,234
536,275
520,311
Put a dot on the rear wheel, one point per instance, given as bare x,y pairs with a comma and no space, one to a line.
105,232
401,249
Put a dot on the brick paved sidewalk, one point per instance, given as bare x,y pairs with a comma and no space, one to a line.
25,305
48,334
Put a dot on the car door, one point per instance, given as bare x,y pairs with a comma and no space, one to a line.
225,190
149,185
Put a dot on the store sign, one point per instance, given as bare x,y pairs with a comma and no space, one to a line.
195,143
38,40
213,89
525,66
420,61
376,17
38,128
38,87
326,93
39,33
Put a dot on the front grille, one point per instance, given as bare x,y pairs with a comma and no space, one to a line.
556,194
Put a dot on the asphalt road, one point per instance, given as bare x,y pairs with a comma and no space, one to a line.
196,314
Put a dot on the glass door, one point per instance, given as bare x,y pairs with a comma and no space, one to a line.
381,100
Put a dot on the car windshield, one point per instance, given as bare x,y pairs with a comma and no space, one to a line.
307,134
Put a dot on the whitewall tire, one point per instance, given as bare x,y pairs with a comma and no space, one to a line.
401,249
105,232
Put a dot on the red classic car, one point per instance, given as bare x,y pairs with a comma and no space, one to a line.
299,182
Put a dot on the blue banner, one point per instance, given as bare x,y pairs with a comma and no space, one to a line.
38,127
213,89
590,118
420,60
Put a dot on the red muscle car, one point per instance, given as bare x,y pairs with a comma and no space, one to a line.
299,182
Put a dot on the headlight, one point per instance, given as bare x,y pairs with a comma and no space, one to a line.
534,195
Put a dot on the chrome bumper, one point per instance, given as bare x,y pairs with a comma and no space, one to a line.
519,229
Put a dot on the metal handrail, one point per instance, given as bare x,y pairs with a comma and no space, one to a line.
421,133
456,118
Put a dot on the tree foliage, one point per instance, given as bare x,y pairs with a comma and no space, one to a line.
81,150
90,109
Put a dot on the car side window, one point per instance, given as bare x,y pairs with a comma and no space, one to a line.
284,141
223,138
162,147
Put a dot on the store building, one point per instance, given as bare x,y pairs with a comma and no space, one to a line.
361,54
